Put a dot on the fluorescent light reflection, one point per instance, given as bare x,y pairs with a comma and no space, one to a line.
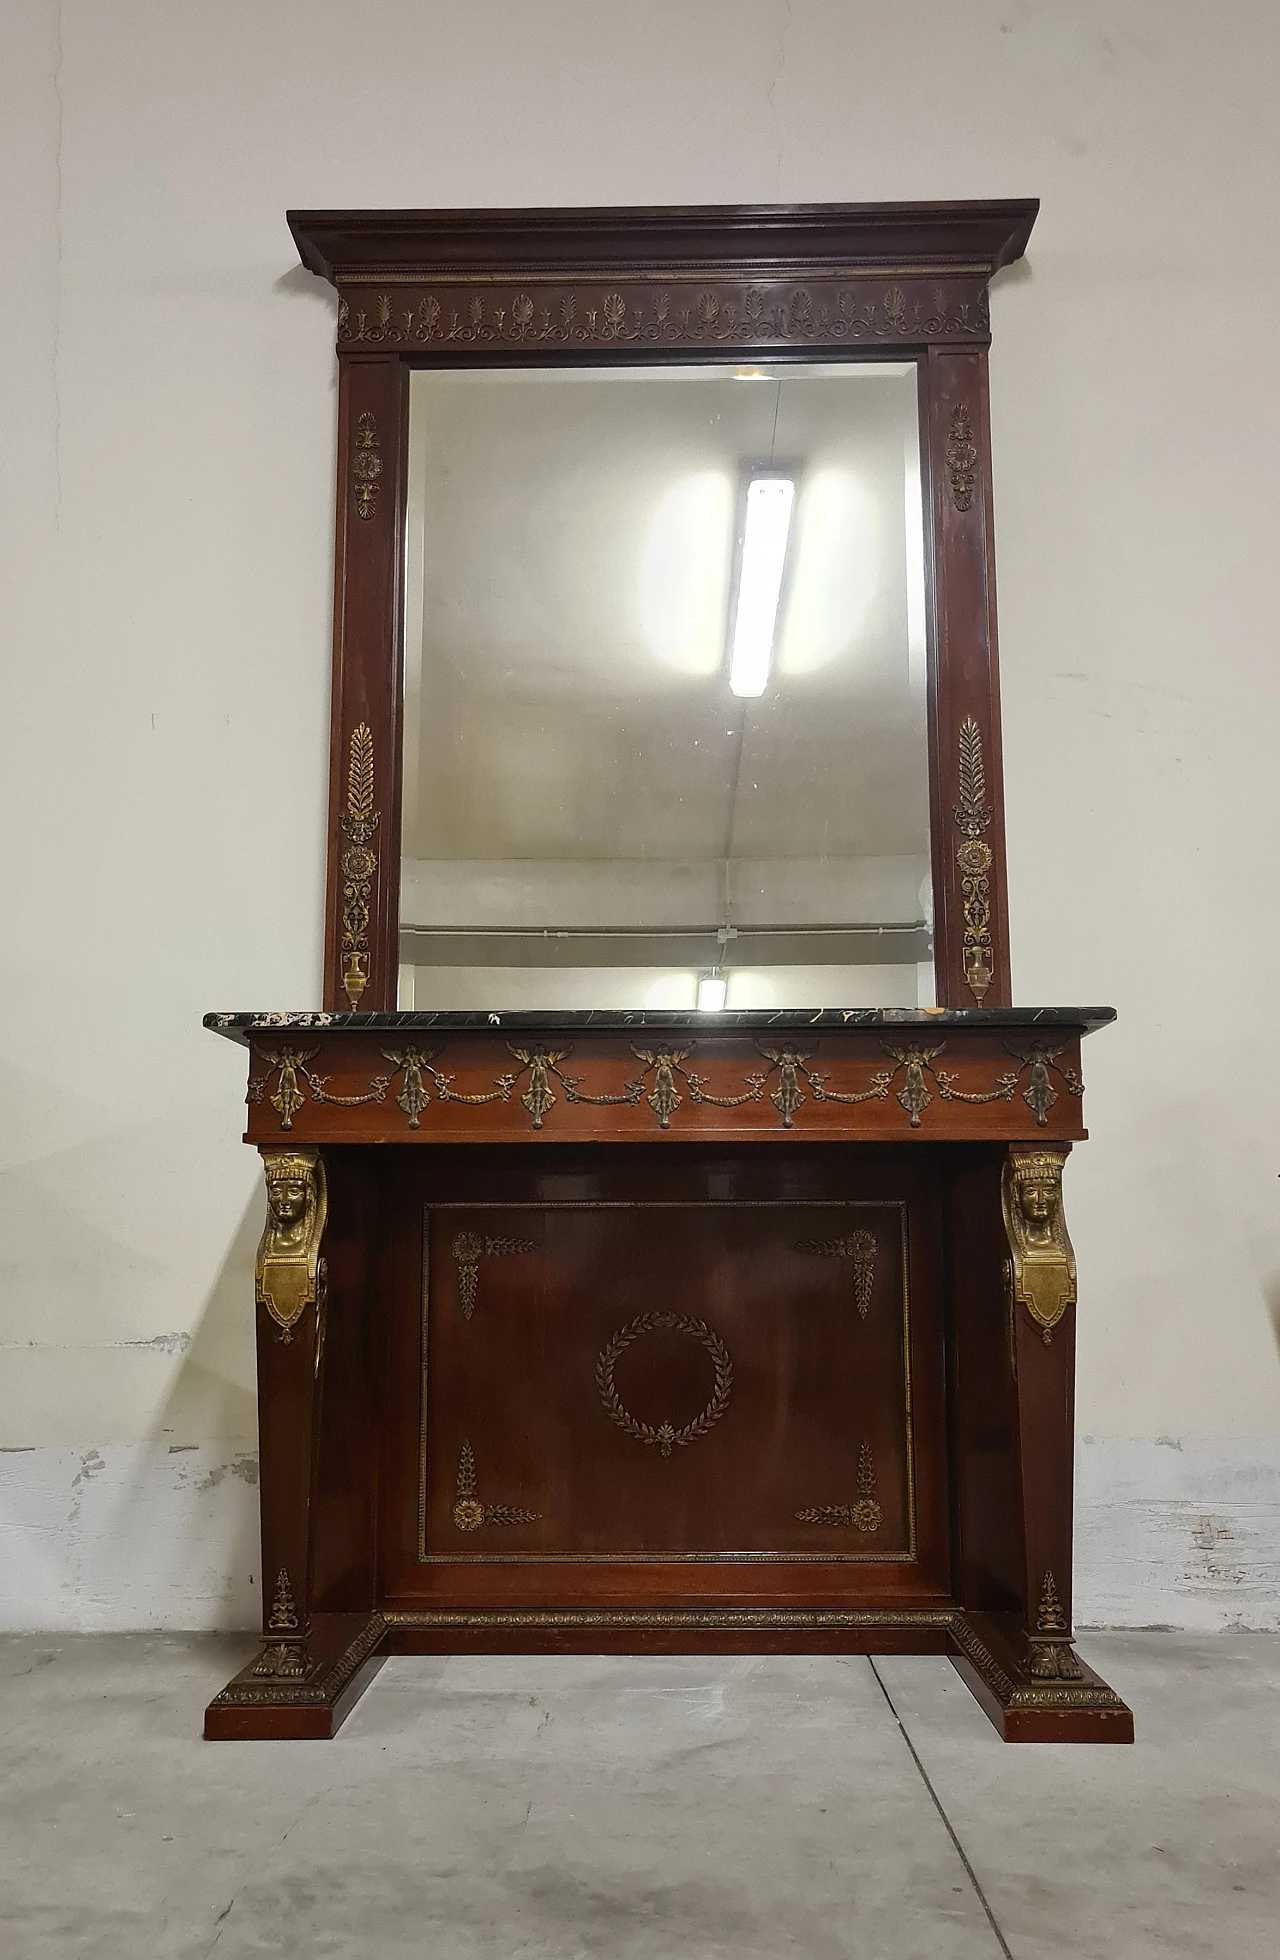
711,992
684,573
764,555
834,572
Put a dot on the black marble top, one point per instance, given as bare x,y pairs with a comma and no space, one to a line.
614,1020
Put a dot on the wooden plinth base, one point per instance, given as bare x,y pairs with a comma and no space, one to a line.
990,1659
345,1651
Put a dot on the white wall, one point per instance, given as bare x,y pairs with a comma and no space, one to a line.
167,389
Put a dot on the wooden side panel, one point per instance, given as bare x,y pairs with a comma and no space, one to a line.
989,1564
344,1561
363,891
972,947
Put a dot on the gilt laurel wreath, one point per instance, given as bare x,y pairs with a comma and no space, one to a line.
664,1436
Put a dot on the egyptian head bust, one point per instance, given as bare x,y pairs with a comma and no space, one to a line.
1042,1266
289,1271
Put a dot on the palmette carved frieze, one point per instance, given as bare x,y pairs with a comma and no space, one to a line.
791,1087
454,316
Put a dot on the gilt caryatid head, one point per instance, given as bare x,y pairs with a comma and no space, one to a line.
289,1187
1037,1185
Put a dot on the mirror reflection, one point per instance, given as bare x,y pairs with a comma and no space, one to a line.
665,722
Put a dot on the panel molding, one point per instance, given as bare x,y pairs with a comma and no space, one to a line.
890,1555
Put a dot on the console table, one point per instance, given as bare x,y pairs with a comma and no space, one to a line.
660,1333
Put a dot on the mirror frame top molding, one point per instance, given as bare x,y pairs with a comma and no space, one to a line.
617,286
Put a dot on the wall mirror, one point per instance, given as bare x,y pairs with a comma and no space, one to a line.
665,731
664,659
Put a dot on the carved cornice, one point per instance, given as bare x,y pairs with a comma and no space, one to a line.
930,239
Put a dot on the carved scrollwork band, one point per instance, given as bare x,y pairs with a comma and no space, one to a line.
666,1083
366,467
664,1435
469,1513
359,821
451,316
973,815
864,1514
468,1250
289,1272
1041,1268
860,1248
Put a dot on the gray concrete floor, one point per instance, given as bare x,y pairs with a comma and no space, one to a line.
625,1809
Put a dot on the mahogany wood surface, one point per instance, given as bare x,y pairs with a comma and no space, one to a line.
454,1475
682,1338
523,288
350,1087
586,1245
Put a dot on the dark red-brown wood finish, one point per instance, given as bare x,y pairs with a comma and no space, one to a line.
642,1333
664,1362
523,288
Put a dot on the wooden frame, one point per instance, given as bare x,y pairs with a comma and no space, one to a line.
514,288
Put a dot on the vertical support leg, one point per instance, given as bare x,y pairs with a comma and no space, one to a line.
290,1289
1023,1668
1041,1279
310,1671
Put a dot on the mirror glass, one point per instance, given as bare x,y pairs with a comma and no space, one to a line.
665,706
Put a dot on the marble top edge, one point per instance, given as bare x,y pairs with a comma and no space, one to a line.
238,1026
